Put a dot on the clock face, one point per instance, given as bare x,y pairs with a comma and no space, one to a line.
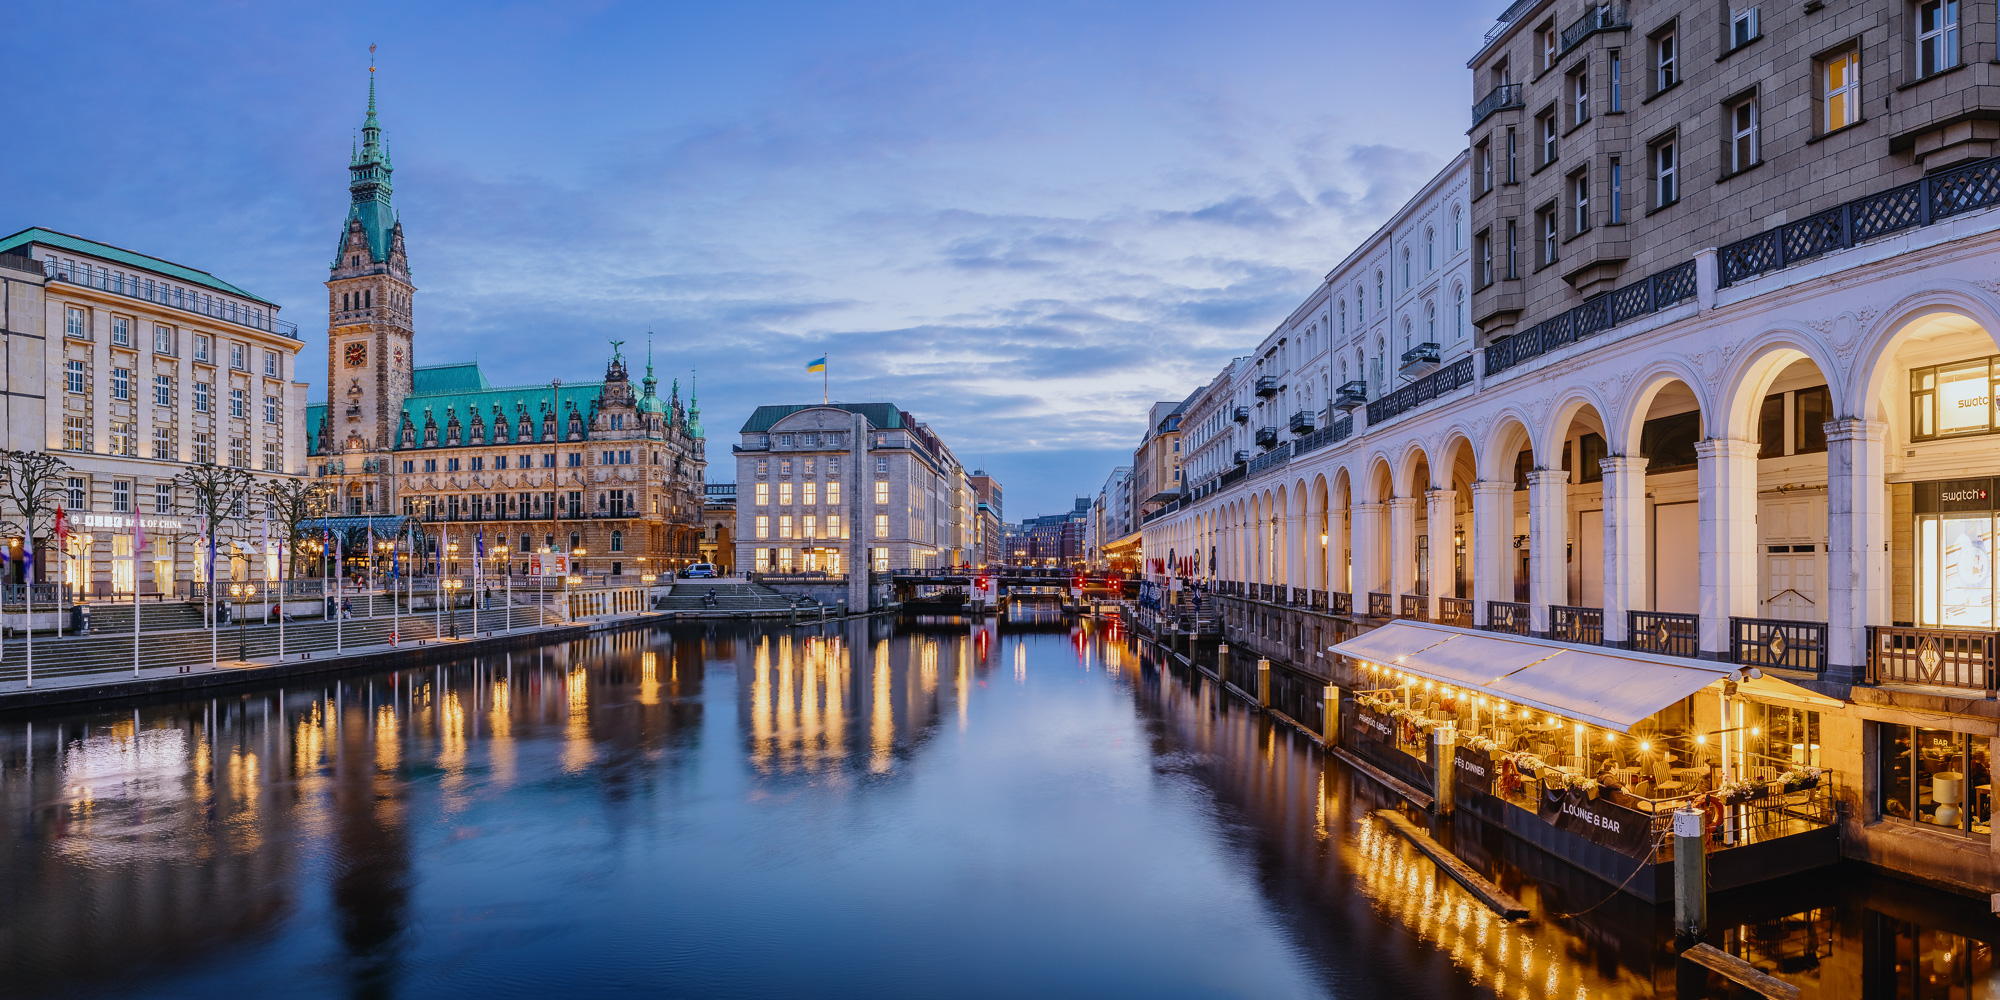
357,355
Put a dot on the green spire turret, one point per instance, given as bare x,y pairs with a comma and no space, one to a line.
694,407
649,399
368,182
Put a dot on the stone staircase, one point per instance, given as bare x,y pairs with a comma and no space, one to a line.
730,598
107,651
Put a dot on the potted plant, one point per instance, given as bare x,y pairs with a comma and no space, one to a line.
1738,791
1799,779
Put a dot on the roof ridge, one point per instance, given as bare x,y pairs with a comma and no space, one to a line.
167,267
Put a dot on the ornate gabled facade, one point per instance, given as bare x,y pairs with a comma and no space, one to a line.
605,466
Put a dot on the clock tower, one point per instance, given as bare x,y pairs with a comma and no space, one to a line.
370,302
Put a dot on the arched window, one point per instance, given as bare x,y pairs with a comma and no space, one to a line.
1430,323
1458,323
1406,334
1360,296
1380,298
1430,250
617,541
1457,228
1343,317
1406,269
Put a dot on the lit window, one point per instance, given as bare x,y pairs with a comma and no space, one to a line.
784,526
810,490
833,494
881,491
76,434
881,526
1842,80
784,494
763,494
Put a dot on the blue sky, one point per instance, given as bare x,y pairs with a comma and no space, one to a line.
1023,222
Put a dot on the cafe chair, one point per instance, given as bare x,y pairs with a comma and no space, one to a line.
1664,781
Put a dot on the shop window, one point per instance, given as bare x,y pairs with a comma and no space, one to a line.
1954,557
1593,451
1938,778
1810,409
1667,443
1954,399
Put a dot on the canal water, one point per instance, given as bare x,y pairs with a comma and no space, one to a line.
864,810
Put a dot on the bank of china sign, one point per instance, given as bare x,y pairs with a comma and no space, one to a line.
123,523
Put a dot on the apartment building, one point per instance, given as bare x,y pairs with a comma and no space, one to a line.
1156,463
1730,408
145,368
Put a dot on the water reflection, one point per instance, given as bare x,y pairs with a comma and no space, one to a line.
857,810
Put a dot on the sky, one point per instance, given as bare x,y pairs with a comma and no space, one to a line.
1021,222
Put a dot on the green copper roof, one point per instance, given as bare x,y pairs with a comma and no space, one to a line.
881,416
462,377
368,184
136,261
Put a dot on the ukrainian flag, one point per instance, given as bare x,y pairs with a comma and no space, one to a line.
816,365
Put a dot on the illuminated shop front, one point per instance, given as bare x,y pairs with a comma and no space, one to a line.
1954,553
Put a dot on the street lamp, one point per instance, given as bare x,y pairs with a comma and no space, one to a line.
452,586
238,593
506,588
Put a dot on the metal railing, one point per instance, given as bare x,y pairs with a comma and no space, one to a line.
1318,601
1270,459
1507,616
1381,606
1500,98
1603,17
1445,380
1919,203
1668,633
1340,603
1412,606
42,593
1455,611
1333,433
1775,642
164,294
1574,624
1302,422
1651,294
1942,657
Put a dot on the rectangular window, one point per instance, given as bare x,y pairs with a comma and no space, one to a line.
833,526
73,325
1579,95
1954,399
1545,124
478,463
1840,80
236,357
239,453
1933,777
1579,201
784,494
1545,45
575,459
881,491
163,390
274,457
200,346
163,498
1513,160
784,560
121,383
810,491
73,376
163,443
1483,250
763,466
204,448
784,525
76,493
1743,27
76,434
1617,191
549,460
271,364
784,466
763,558
763,494
1545,224
1513,249
1743,151
121,439
1666,174
833,493
500,462
881,560
163,339
121,331
409,466
1666,61
121,496
430,465
1937,36
808,525
881,526
1617,80
881,466
1483,156
270,409
239,404
451,465
201,397
763,526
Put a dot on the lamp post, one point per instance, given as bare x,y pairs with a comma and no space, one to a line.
238,592
506,587
572,580
451,587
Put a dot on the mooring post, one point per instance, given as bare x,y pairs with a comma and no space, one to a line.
1264,683
1222,660
1329,715
1690,876
1444,746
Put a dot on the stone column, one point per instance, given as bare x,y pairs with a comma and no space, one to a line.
1857,578
1548,544
1369,573
1402,549
1492,545
1728,542
1442,514
1296,547
1627,586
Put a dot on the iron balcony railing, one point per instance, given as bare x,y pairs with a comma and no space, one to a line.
1302,422
1270,460
1507,616
1241,414
1267,385
1774,642
1242,455
1667,633
1381,606
1919,203
160,293
1455,611
1501,98
1670,287
1412,606
1443,382
1953,658
1574,624
1603,17
1318,600
1267,436
1422,354
1340,603
1298,598
1333,433
1351,395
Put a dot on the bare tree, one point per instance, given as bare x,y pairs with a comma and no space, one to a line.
293,502
212,493
32,483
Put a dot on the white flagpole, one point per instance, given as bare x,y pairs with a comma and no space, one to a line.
340,591
138,542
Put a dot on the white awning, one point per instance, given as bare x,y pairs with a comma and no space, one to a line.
1606,687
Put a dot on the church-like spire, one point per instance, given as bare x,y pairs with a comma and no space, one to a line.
694,407
368,179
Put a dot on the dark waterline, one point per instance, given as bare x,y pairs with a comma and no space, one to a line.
766,812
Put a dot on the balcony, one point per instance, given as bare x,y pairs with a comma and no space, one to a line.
1603,17
1936,657
1241,414
1510,617
1267,436
1302,422
1664,632
1775,642
1505,97
1242,456
1420,360
161,293
1267,385
1351,396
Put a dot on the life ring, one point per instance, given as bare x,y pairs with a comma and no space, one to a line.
1711,814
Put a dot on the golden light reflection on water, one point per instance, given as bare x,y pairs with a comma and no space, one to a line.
309,742
1020,662
649,678
882,722
500,723
579,750
388,739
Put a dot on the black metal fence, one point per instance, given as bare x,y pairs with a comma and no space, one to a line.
1575,624
1651,294
1667,633
1773,642
1954,658
1444,381
1507,616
